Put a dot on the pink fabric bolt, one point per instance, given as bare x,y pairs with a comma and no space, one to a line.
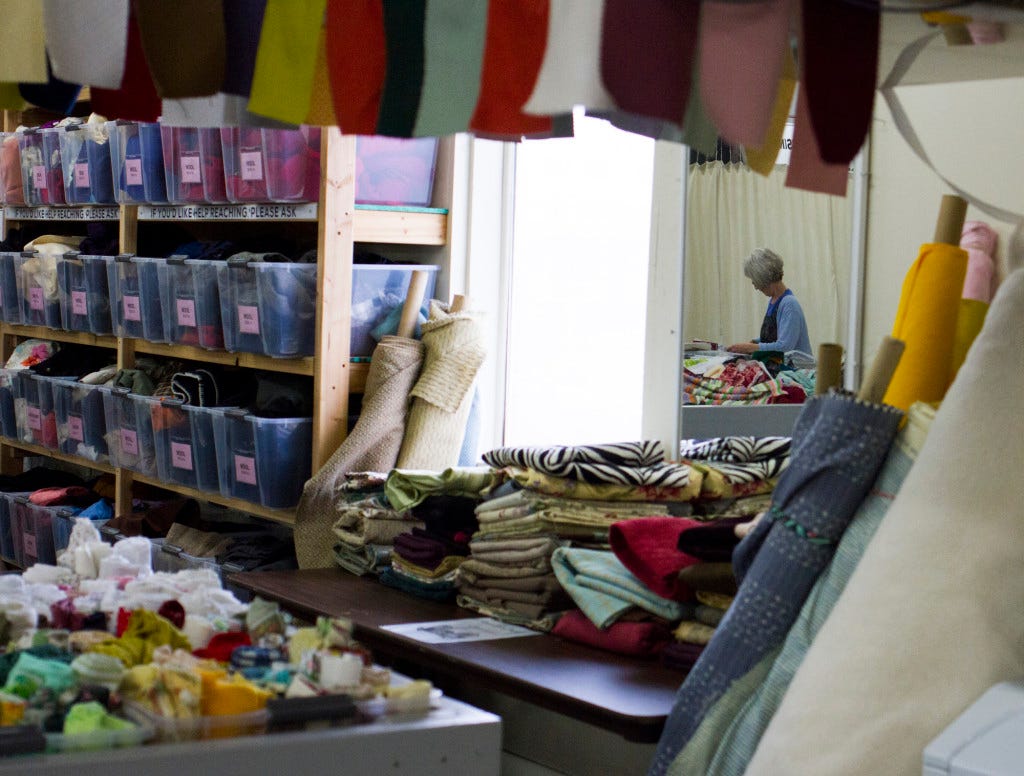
979,240
742,47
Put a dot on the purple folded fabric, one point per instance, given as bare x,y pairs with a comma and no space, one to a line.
420,550
681,656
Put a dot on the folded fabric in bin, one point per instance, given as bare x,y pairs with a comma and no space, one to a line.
71,495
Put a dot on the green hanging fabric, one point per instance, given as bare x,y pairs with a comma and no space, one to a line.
698,131
403,79
454,33
22,41
282,82
10,97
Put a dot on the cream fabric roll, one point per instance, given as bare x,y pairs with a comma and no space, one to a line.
932,616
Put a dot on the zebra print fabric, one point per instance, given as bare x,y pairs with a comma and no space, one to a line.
735,449
625,463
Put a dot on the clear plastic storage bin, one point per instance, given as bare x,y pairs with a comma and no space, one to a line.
186,452
264,460
41,173
11,183
137,162
135,307
191,302
378,290
10,295
34,414
200,728
81,422
8,424
193,165
33,531
37,286
9,548
395,171
129,430
268,307
85,157
84,293
278,165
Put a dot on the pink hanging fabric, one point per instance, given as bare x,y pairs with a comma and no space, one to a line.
807,170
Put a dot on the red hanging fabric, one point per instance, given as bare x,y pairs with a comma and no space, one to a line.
137,98
356,62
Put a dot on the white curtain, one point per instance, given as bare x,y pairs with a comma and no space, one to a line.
732,210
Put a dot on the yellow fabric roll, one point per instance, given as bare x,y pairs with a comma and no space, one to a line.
282,79
926,320
968,324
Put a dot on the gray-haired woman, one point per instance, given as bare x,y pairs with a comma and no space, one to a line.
784,327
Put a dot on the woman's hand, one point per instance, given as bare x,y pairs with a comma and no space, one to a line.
743,347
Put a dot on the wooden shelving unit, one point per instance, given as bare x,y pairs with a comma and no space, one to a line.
340,225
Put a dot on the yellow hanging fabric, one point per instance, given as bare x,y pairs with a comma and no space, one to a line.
926,320
23,42
282,81
321,102
10,97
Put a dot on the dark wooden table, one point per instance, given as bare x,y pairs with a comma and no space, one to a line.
630,697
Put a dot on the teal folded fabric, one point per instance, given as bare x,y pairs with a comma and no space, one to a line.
727,737
605,589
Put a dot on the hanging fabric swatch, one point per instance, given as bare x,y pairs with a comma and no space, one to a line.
185,50
699,132
647,54
513,52
243,20
761,159
282,79
839,51
356,62
931,617
742,49
55,95
926,321
570,73
807,170
136,98
321,106
10,97
87,41
403,78
23,42
453,33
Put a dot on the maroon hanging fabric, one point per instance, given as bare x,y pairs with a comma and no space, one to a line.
185,47
517,32
356,62
807,170
742,48
647,55
839,53
137,98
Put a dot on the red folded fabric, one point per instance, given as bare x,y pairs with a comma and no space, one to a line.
174,612
648,547
222,645
71,495
638,639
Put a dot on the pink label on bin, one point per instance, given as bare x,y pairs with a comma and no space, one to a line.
181,456
29,540
133,172
76,429
129,442
190,169
81,175
35,297
38,177
248,319
132,311
245,469
186,312
78,305
251,163
34,418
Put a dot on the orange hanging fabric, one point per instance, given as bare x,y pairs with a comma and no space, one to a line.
516,38
356,62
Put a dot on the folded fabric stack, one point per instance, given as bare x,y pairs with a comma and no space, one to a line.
736,466
425,559
367,524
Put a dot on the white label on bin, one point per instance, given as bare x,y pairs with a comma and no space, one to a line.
190,169
35,297
38,176
29,541
248,319
78,304
133,172
132,310
81,175
34,418
245,469
252,165
76,429
129,442
186,312
181,456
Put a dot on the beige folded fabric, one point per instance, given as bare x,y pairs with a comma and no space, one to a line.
932,616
